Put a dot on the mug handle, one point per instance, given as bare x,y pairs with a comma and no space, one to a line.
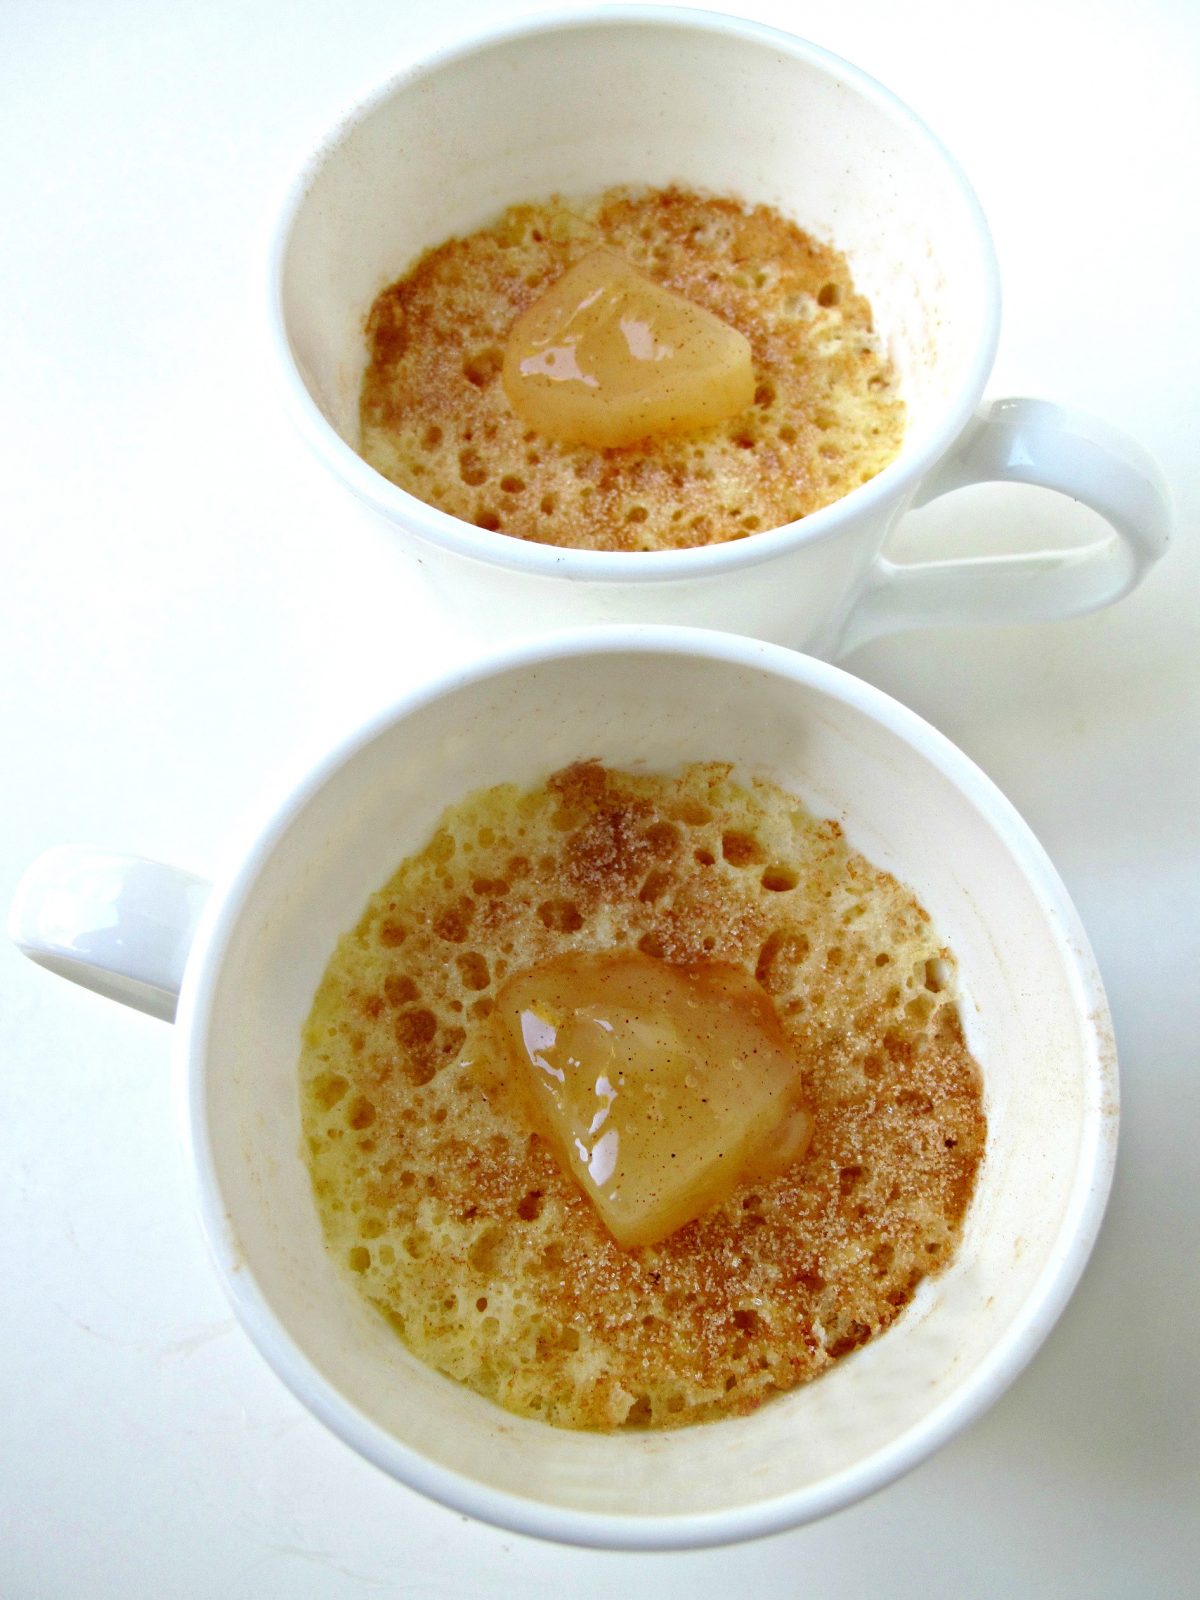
116,924
1027,441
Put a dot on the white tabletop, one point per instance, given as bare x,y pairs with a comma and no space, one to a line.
191,609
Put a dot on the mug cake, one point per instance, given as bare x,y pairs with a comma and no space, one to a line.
465,1215
817,412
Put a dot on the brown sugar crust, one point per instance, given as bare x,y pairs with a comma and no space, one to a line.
455,1218
826,415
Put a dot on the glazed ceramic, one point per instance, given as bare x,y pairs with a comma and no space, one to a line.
1030,997
572,104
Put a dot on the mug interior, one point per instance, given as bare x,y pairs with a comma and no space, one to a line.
571,107
1031,1004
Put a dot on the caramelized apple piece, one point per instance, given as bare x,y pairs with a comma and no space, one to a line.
607,357
659,1087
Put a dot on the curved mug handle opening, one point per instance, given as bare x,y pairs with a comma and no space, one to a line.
1052,447
116,924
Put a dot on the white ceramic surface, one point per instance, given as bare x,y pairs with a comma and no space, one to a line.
641,95
1032,1004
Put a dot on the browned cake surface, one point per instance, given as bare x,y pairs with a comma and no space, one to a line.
456,1219
826,417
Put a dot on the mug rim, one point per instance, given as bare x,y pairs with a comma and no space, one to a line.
1035,1318
422,521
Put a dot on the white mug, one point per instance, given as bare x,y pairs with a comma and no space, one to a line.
249,959
647,96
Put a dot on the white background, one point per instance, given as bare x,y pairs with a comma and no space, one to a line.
190,609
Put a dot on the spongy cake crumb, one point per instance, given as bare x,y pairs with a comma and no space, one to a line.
827,414
455,1218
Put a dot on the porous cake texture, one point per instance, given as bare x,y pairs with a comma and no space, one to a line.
827,413
455,1218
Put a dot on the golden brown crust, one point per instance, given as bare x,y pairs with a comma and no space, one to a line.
435,420
458,1221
